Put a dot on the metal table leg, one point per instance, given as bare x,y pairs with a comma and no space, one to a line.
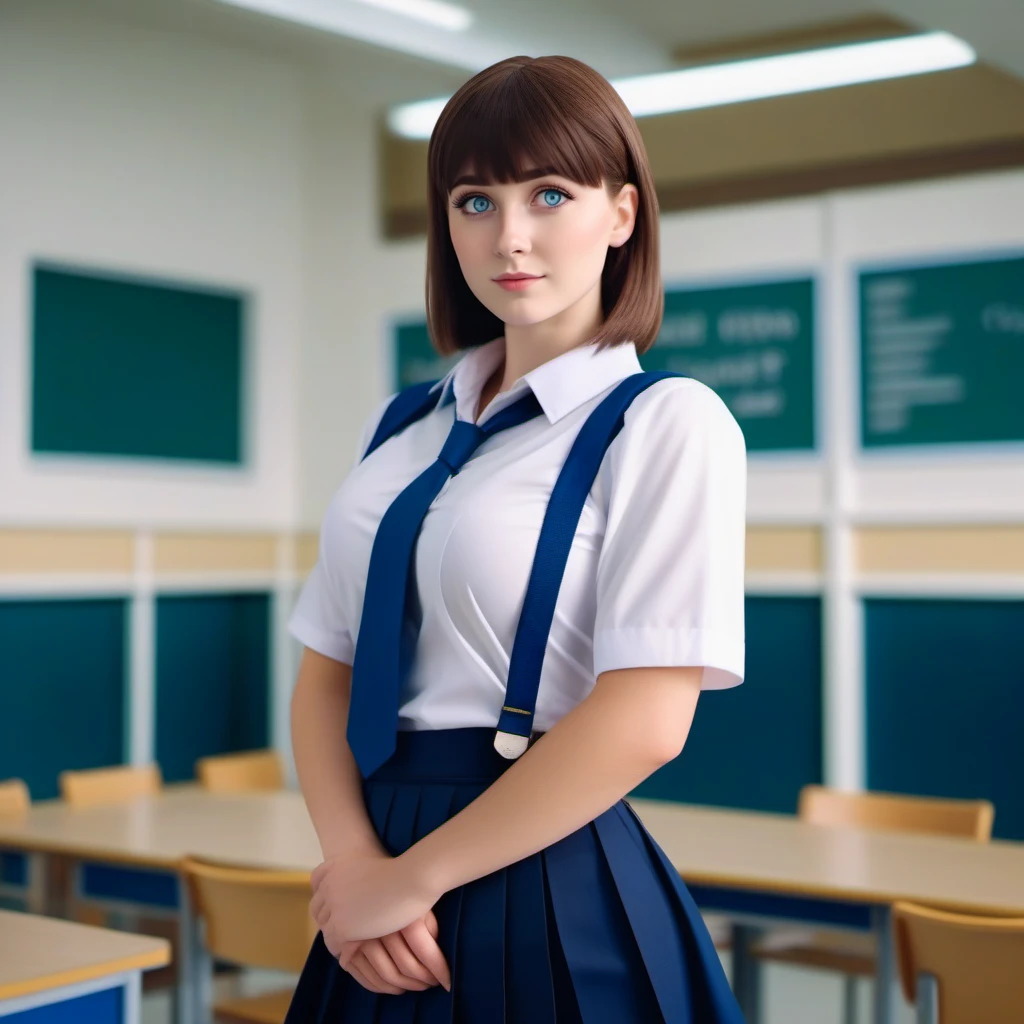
746,972
885,973
186,998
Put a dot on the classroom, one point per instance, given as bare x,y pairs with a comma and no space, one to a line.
214,232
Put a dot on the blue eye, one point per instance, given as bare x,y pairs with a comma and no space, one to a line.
473,204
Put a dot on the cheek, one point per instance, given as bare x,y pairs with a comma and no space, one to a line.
579,238
468,253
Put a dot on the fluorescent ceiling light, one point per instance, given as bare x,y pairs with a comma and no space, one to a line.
433,12
759,78
791,73
330,14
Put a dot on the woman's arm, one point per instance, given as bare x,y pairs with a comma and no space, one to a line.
332,787
632,722
328,774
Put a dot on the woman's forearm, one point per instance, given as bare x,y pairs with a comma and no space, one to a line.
632,722
328,774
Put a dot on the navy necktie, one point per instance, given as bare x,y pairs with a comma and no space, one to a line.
382,651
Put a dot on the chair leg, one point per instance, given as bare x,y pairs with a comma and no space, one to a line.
850,999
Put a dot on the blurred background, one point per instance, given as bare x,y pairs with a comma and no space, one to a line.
212,251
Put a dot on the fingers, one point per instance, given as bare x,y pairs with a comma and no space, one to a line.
406,960
380,962
362,970
422,944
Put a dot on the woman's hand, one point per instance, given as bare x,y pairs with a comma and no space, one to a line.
366,895
406,960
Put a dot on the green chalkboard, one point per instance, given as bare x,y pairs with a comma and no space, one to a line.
944,718
125,367
942,353
754,345
416,359
63,688
212,678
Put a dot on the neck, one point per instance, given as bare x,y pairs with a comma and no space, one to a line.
527,346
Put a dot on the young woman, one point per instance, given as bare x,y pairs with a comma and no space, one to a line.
488,672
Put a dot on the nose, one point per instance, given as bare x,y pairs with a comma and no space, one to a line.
513,231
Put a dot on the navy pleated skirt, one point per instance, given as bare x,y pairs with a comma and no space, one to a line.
597,928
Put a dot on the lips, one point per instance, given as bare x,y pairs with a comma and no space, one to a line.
517,277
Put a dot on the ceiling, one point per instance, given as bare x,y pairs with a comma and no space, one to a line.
408,61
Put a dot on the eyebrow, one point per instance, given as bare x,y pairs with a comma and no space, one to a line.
472,179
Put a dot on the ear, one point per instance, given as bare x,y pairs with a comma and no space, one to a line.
626,204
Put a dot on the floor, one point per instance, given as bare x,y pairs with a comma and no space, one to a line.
791,996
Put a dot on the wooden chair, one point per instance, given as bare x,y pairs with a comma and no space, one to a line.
238,773
119,784
14,798
850,953
94,786
958,968
254,919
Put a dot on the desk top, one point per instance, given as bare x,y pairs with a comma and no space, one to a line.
40,953
709,846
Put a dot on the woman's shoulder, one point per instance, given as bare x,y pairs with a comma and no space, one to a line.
676,409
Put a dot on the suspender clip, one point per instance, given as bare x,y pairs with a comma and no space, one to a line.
509,745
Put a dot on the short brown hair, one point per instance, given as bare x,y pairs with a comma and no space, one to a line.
528,112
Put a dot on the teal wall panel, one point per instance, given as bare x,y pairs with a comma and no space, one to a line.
134,368
755,745
945,701
941,358
62,688
212,678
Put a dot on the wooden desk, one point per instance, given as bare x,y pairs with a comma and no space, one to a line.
759,868
44,961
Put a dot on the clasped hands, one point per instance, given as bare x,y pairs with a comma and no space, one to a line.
377,921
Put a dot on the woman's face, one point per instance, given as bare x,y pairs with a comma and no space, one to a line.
549,227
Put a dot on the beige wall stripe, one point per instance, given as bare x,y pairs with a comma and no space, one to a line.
784,549
306,550
995,549
226,552
65,551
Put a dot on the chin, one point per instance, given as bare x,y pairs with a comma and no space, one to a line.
520,315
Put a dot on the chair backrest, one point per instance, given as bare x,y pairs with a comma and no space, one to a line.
977,962
253,918
236,773
89,787
14,798
971,819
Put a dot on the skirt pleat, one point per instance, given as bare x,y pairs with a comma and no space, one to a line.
605,966
712,997
529,990
597,928
651,919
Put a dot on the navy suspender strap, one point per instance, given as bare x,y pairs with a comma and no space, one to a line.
408,406
556,535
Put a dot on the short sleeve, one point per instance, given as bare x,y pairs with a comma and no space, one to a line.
319,619
670,573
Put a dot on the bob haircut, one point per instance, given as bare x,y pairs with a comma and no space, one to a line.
549,112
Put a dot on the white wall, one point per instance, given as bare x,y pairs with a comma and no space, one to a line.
354,282
139,151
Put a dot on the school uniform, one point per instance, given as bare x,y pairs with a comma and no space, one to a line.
648,570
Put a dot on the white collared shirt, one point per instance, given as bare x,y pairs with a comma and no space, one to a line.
655,575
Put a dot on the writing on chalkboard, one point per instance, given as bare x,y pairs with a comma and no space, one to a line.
754,345
941,353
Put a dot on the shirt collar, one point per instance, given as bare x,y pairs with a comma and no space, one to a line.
560,385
